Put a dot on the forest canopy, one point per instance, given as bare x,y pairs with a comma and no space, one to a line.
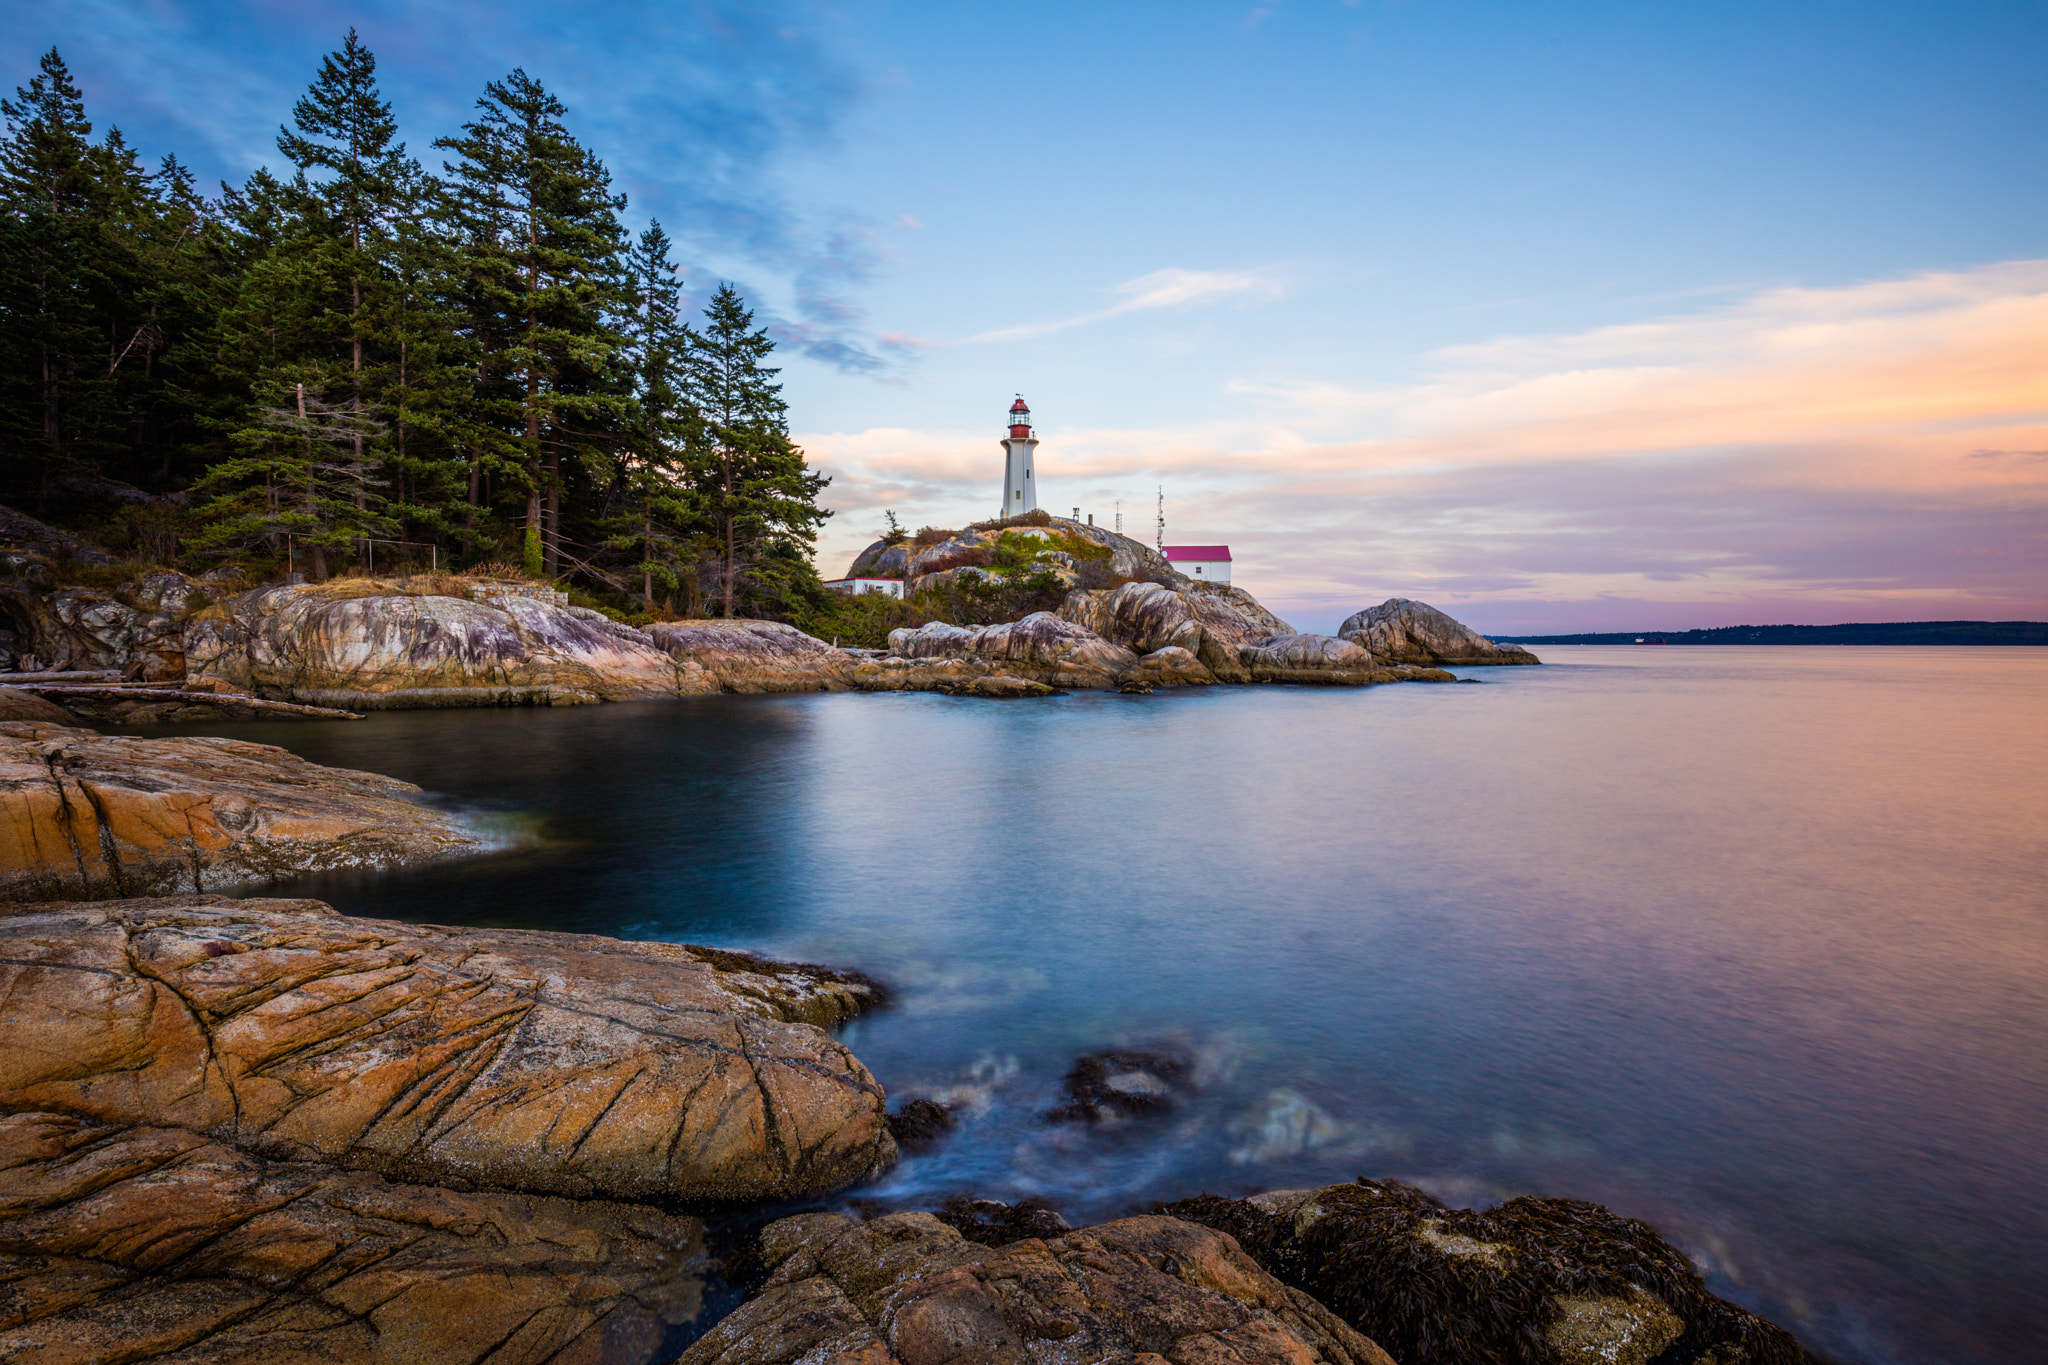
464,358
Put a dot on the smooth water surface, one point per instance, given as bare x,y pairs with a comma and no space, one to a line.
1746,942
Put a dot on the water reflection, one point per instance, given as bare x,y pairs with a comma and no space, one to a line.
1749,943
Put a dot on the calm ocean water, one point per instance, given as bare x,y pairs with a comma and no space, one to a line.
1746,942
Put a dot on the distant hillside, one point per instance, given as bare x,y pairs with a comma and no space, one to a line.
1864,633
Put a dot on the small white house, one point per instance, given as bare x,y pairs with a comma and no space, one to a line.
1210,562
892,586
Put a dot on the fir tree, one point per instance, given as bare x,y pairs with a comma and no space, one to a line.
541,243
658,351
762,495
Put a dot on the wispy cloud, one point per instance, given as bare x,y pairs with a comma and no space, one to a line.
1168,288
1869,450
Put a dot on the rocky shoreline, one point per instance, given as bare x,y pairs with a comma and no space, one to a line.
166,649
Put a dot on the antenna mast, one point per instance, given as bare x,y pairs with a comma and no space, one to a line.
1119,516
1159,540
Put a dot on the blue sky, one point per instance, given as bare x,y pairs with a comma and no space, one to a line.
1558,316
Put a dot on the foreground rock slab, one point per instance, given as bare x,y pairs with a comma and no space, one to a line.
135,1242
1546,1281
556,1063
84,815
908,1288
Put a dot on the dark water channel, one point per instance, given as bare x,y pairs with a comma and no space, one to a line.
1746,942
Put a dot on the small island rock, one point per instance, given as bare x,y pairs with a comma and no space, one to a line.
1402,631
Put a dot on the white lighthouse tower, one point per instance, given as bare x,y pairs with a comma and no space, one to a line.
1020,485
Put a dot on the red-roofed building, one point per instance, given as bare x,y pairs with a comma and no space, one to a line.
1210,563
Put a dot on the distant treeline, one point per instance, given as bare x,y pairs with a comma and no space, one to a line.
1868,633
473,353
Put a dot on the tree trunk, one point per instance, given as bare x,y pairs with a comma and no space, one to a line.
551,533
731,534
647,551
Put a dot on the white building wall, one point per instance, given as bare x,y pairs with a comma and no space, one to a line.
1209,570
1020,481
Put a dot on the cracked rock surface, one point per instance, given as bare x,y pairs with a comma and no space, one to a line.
550,1063
908,1289
84,814
124,1242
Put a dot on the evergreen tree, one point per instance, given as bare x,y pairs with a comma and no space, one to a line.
541,284
763,497
658,351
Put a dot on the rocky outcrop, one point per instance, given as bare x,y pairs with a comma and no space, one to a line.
1064,543
906,1289
1244,604
882,559
755,656
549,1063
1169,667
132,1242
1212,621
1041,647
315,644
1310,659
84,815
1545,1281
1402,631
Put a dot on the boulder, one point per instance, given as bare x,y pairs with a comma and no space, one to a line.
1041,647
18,705
1444,1286
1244,604
1311,659
1139,616
755,656
882,559
1169,667
906,1289
133,1241
550,1063
319,644
85,815
1405,632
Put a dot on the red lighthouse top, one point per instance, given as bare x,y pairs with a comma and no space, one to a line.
1020,419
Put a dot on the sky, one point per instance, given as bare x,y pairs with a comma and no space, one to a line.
1557,316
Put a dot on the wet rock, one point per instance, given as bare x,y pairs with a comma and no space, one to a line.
1169,667
999,687
1107,1086
1402,631
551,1063
19,705
920,1124
907,1288
755,656
1136,689
1534,1281
130,1242
1041,647
390,651
996,1224
84,815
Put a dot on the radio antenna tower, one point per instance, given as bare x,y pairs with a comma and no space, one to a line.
1159,541
1119,516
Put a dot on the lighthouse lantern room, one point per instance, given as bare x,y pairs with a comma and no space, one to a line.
1020,484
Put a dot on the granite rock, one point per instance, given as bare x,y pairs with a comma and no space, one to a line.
1406,632
906,1289
1311,659
1041,647
549,1063
86,815
755,656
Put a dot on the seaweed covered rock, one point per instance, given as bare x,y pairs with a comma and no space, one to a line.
1402,631
329,645
907,1288
1532,1282
131,1242
755,656
1108,1087
552,1063
84,814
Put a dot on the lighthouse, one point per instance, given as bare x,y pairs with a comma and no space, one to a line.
1020,491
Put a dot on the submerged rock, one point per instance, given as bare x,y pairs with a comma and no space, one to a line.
996,1224
1402,631
1534,1281
551,1063
85,815
755,656
319,645
921,1123
1106,1086
907,1288
129,1242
